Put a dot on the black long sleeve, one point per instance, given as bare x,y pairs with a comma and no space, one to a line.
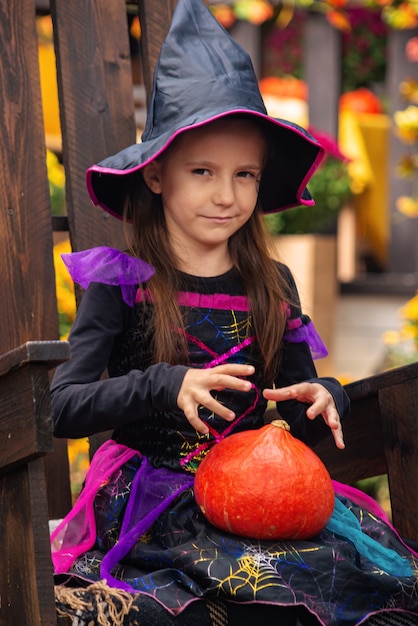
84,403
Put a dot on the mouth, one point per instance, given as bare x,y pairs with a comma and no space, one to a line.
218,219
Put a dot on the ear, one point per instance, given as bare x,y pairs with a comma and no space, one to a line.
152,176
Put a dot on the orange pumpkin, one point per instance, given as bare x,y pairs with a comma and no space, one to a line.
265,484
360,100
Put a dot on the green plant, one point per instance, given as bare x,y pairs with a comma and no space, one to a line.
56,179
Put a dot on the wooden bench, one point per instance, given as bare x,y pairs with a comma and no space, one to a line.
97,119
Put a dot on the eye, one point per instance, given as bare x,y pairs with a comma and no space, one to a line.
245,174
201,171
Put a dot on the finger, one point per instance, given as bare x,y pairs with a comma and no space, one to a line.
318,408
218,409
234,369
332,418
277,394
222,381
293,392
337,433
195,421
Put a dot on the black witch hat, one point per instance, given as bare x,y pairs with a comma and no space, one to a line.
202,75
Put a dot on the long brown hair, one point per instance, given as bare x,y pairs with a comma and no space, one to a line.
265,283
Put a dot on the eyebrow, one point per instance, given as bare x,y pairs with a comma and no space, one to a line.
244,166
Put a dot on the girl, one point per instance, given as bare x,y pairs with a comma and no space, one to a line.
198,327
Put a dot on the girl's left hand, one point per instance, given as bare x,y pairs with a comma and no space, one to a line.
321,401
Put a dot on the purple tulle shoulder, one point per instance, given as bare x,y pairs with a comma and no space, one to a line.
300,329
110,267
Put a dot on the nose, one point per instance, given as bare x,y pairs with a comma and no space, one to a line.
224,194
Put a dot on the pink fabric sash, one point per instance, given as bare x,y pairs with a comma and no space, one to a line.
77,531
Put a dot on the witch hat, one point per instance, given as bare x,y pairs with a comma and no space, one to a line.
202,75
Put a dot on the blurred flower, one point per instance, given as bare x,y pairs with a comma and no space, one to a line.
407,206
411,50
401,16
44,29
65,290
339,20
79,461
391,337
407,167
409,314
406,122
398,14
401,346
255,11
408,89
224,14
406,126
135,29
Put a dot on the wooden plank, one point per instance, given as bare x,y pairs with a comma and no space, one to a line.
42,548
399,410
26,581
155,21
403,249
96,105
97,119
372,384
49,353
26,420
29,310
363,455
366,452
322,69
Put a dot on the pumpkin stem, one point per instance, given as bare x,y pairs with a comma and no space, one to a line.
281,424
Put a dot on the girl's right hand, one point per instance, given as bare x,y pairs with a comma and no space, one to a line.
197,385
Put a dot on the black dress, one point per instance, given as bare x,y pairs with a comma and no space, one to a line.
136,522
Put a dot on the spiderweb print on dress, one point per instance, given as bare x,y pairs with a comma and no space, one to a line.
259,569
110,502
224,343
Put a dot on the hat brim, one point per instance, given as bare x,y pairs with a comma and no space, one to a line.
296,156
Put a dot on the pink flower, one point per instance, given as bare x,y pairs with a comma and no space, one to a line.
411,49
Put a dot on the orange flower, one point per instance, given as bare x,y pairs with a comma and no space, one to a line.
135,28
339,19
224,14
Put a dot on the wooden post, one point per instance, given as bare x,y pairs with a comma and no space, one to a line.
403,256
322,63
29,313
96,106
155,22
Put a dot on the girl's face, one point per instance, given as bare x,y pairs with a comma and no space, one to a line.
208,180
